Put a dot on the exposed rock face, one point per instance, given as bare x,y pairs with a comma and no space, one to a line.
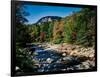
48,19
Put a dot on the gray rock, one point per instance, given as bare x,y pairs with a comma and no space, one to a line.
58,61
49,60
64,54
17,68
78,67
68,58
63,69
87,64
70,68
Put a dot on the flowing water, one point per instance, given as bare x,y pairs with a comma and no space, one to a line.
49,61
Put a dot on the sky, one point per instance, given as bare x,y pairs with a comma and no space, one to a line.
37,11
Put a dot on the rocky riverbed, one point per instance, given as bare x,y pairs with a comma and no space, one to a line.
63,57
72,50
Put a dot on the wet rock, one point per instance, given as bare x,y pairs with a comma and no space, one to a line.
44,65
67,59
70,68
17,68
49,60
63,69
78,67
58,61
35,53
41,70
38,65
85,65
88,64
64,54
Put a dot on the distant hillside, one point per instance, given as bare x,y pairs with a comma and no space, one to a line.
78,28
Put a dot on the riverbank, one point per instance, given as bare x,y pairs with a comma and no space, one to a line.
69,49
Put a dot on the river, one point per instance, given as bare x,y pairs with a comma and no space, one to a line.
49,61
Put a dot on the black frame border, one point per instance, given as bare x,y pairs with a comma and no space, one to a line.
13,35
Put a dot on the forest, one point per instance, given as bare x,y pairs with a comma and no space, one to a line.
69,32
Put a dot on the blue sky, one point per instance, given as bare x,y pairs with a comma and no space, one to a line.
37,11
